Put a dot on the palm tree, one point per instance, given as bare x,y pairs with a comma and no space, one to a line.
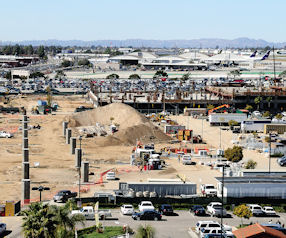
257,101
39,221
146,231
66,223
44,221
269,100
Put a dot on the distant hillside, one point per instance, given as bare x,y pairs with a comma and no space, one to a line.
196,43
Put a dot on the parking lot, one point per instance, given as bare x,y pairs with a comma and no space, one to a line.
179,224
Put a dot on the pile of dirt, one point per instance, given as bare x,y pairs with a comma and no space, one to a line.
132,125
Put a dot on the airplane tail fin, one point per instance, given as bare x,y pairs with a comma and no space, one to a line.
266,55
253,54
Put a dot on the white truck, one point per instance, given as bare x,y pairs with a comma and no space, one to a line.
89,213
216,209
145,205
4,134
224,118
208,190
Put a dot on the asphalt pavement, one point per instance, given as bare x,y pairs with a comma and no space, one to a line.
170,226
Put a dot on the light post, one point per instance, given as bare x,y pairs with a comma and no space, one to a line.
269,162
221,215
80,139
40,189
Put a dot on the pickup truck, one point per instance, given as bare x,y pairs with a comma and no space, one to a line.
64,195
89,213
216,209
145,205
208,190
4,134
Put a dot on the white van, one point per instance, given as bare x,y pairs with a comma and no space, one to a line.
110,175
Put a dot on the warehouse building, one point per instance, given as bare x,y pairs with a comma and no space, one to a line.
246,187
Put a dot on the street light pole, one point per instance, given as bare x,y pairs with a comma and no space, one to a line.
40,189
269,162
222,188
80,139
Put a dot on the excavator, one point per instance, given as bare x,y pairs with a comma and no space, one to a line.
219,107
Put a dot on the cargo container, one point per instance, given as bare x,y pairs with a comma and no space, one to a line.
173,129
224,118
279,128
161,188
254,125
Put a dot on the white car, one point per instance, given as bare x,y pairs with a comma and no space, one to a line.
186,159
110,175
145,205
269,211
255,209
4,134
2,228
216,209
257,114
127,209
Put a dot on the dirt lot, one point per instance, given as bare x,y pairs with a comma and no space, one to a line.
47,146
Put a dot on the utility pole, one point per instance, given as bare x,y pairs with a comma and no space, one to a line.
221,215
274,67
269,163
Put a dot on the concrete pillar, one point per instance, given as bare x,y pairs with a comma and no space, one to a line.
78,155
73,145
65,126
25,143
25,126
25,133
25,155
85,171
26,170
26,191
68,135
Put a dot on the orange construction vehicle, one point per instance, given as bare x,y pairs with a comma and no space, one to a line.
219,107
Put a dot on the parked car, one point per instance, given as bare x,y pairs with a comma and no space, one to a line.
216,209
64,195
282,161
145,205
229,235
147,215
268,211
255,209
89,213
110,175
206,231
186,159
198,210
4,134
3,228
206,224
166,209
127,209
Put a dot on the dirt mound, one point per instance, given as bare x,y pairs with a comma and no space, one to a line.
132,124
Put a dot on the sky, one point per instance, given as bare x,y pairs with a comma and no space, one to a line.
145,19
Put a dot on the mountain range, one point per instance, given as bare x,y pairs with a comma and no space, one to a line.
195,43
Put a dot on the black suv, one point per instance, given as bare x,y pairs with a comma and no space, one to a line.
198,210
166,209
147,215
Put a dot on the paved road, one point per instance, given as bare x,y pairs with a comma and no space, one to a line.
169,227
177,226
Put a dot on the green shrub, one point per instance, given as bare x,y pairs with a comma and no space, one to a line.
251,164
234,154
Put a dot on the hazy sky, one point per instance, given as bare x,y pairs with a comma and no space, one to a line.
146,19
